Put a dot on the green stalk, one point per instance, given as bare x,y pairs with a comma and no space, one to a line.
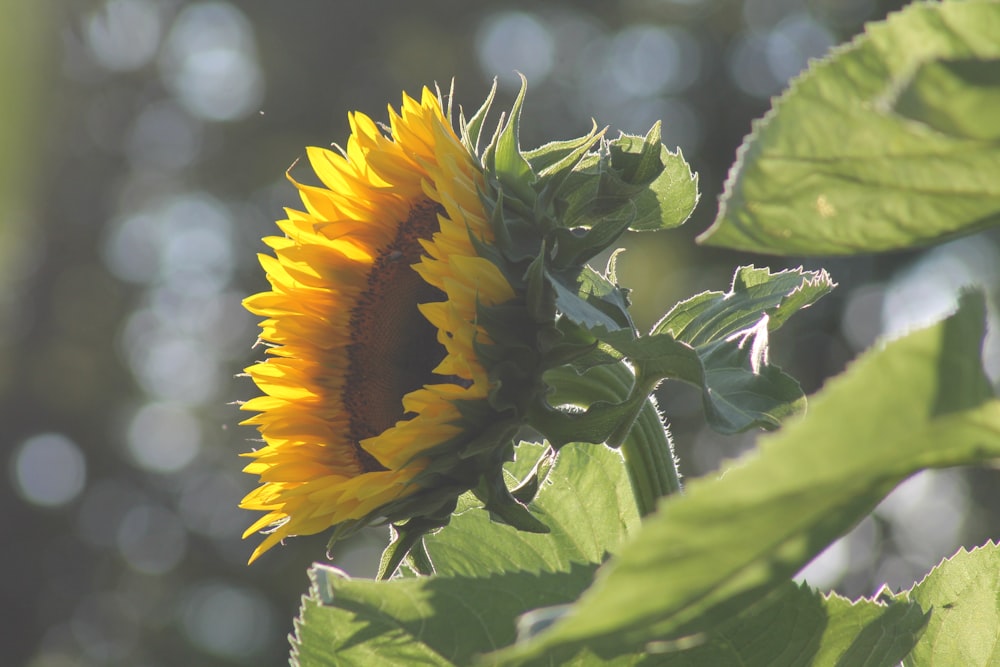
640,434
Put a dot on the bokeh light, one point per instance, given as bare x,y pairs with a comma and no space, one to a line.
862,322
151,539
163,437
648,60
124,35
165,137
210,63
515,41
226,620
49,470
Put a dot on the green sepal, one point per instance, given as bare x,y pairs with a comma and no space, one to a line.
503,159
541,301
514,386
594,423
471,130
497,438
526,491
419,560
504,507
556,156
553,177
436,494
575,247
408,536
514,241
342,531
590,299
570,343
509,325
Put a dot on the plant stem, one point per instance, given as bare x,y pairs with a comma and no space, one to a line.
649,457
640,435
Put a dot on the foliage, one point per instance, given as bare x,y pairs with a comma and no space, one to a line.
860,155
889,143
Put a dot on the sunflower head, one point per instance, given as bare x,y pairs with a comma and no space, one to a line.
416,303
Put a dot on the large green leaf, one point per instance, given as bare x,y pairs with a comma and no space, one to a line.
921,402
869,633
798,626
964,595
956,97
487,574
888,143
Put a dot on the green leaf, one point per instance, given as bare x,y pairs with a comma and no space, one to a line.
741,390
798,626
921,402
586,502
589,299
955,97
670,189
719,342
869,633
575,247
487,574
888,143
713,316
633,179
964,595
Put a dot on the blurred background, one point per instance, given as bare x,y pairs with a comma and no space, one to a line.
143,146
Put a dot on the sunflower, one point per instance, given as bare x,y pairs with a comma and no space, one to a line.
371,325
424,308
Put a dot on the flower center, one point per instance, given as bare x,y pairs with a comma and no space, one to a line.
393,349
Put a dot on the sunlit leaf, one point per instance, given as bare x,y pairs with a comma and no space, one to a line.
797,626
888,143
963,593
712,316
956,97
